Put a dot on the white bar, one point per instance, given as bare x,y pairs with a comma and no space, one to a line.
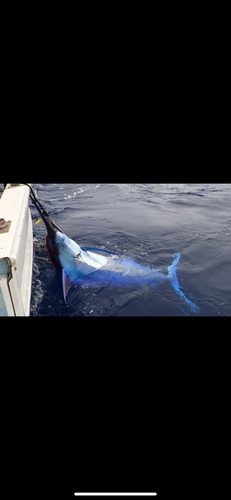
115,494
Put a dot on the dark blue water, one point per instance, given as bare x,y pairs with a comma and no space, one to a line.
151,222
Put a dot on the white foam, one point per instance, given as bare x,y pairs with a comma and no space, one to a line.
37,290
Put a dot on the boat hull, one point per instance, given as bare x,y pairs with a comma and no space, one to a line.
16,251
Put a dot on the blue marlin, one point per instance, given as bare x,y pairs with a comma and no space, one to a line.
95,267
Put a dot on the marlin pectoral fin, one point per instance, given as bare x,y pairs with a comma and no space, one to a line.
67,284
92,249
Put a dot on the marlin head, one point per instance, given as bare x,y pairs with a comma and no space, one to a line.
74,261
67,249
52,230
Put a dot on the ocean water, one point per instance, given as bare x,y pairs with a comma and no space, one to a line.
148,223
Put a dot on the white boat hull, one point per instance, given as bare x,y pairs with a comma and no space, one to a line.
16,251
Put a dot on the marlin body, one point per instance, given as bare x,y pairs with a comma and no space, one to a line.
96,267
88,267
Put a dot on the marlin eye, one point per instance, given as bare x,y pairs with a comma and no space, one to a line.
63,238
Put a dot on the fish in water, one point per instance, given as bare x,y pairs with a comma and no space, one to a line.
96,267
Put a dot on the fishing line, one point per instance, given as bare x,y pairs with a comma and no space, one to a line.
40,207
35,200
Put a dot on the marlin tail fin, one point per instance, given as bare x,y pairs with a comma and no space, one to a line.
172,275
